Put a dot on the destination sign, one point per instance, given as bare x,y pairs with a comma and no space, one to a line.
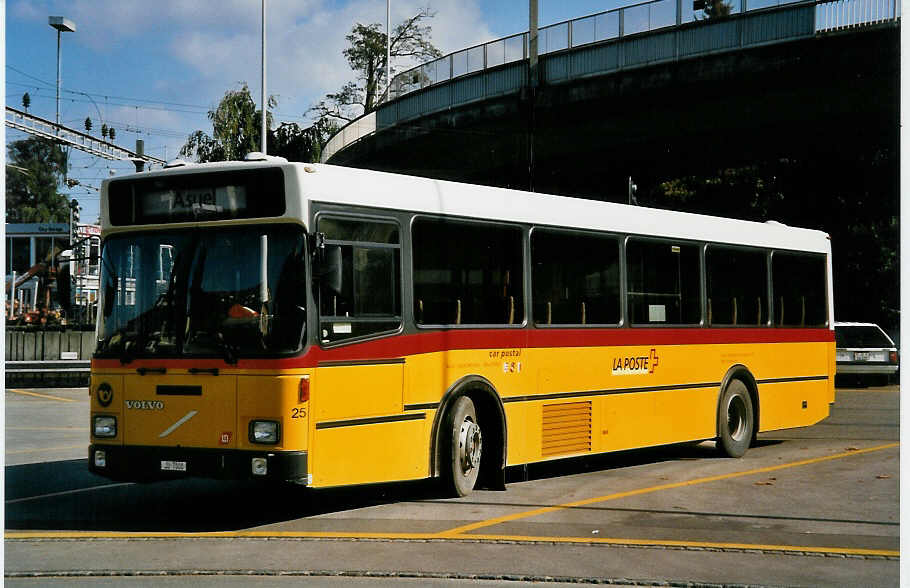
194,202
195,197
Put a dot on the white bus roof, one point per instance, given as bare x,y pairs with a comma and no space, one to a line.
357,187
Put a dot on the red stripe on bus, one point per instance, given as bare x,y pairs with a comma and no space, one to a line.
462,339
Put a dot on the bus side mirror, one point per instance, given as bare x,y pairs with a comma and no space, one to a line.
64,290
332,269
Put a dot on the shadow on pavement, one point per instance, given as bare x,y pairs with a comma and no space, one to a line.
64,495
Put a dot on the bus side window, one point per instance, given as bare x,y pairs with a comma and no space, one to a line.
575,278
362,294
799,283
467,273
737,285
664,282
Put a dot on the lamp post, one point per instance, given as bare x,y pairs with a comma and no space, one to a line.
62,25
388,48
265,104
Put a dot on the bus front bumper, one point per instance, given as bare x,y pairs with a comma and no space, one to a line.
146,464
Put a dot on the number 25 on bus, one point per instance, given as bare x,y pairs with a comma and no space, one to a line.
330,326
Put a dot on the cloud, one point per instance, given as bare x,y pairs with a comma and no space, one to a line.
218,41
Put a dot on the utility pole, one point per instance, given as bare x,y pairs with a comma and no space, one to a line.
388,49
532,82
265,105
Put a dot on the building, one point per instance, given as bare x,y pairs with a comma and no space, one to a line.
29,245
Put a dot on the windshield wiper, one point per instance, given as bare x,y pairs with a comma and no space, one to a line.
229,351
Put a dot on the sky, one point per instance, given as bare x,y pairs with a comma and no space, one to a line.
152,70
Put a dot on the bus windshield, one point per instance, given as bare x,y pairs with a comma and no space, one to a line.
226,292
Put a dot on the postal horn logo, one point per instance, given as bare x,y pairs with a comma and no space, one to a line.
636,364
105,394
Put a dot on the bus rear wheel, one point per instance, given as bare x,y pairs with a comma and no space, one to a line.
462,449
735,420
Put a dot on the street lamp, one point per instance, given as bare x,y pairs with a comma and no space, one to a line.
62,25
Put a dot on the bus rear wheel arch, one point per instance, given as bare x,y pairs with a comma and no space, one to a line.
736,422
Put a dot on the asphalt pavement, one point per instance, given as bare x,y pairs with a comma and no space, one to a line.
813,506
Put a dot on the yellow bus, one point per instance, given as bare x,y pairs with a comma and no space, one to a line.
331,326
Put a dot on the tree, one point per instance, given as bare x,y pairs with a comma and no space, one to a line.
366,55
36,169
111,133
88,124
26,101
301,144
104,130
236,129
711,9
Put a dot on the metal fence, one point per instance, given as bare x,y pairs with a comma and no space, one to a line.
27,345
632,36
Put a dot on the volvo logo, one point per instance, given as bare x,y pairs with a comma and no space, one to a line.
105,394
145,404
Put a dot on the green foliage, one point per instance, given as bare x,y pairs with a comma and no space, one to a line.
300,144
366,55
712,9
104,130
35,171
236,129
26,101
746,192
111,133
88,124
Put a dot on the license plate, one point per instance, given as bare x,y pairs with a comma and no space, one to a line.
173,466
862,356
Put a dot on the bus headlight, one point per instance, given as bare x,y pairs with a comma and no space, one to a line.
105,426
263,432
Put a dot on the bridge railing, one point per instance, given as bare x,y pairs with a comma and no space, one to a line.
354,131
613,26
635,19
847,14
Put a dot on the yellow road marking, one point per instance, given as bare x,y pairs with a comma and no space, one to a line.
83,446
25,535
459,533
48,396
539,511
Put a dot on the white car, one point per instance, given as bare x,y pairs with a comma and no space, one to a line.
865,351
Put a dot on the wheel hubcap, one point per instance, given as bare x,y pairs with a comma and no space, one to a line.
736,418
470,442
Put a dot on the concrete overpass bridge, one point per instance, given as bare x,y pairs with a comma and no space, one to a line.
655,90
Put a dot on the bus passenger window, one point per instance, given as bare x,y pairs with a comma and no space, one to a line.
467,273
363,295
575,278
664,282
737,286
799,283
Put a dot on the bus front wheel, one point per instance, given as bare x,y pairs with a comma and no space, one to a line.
462,449
735,420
